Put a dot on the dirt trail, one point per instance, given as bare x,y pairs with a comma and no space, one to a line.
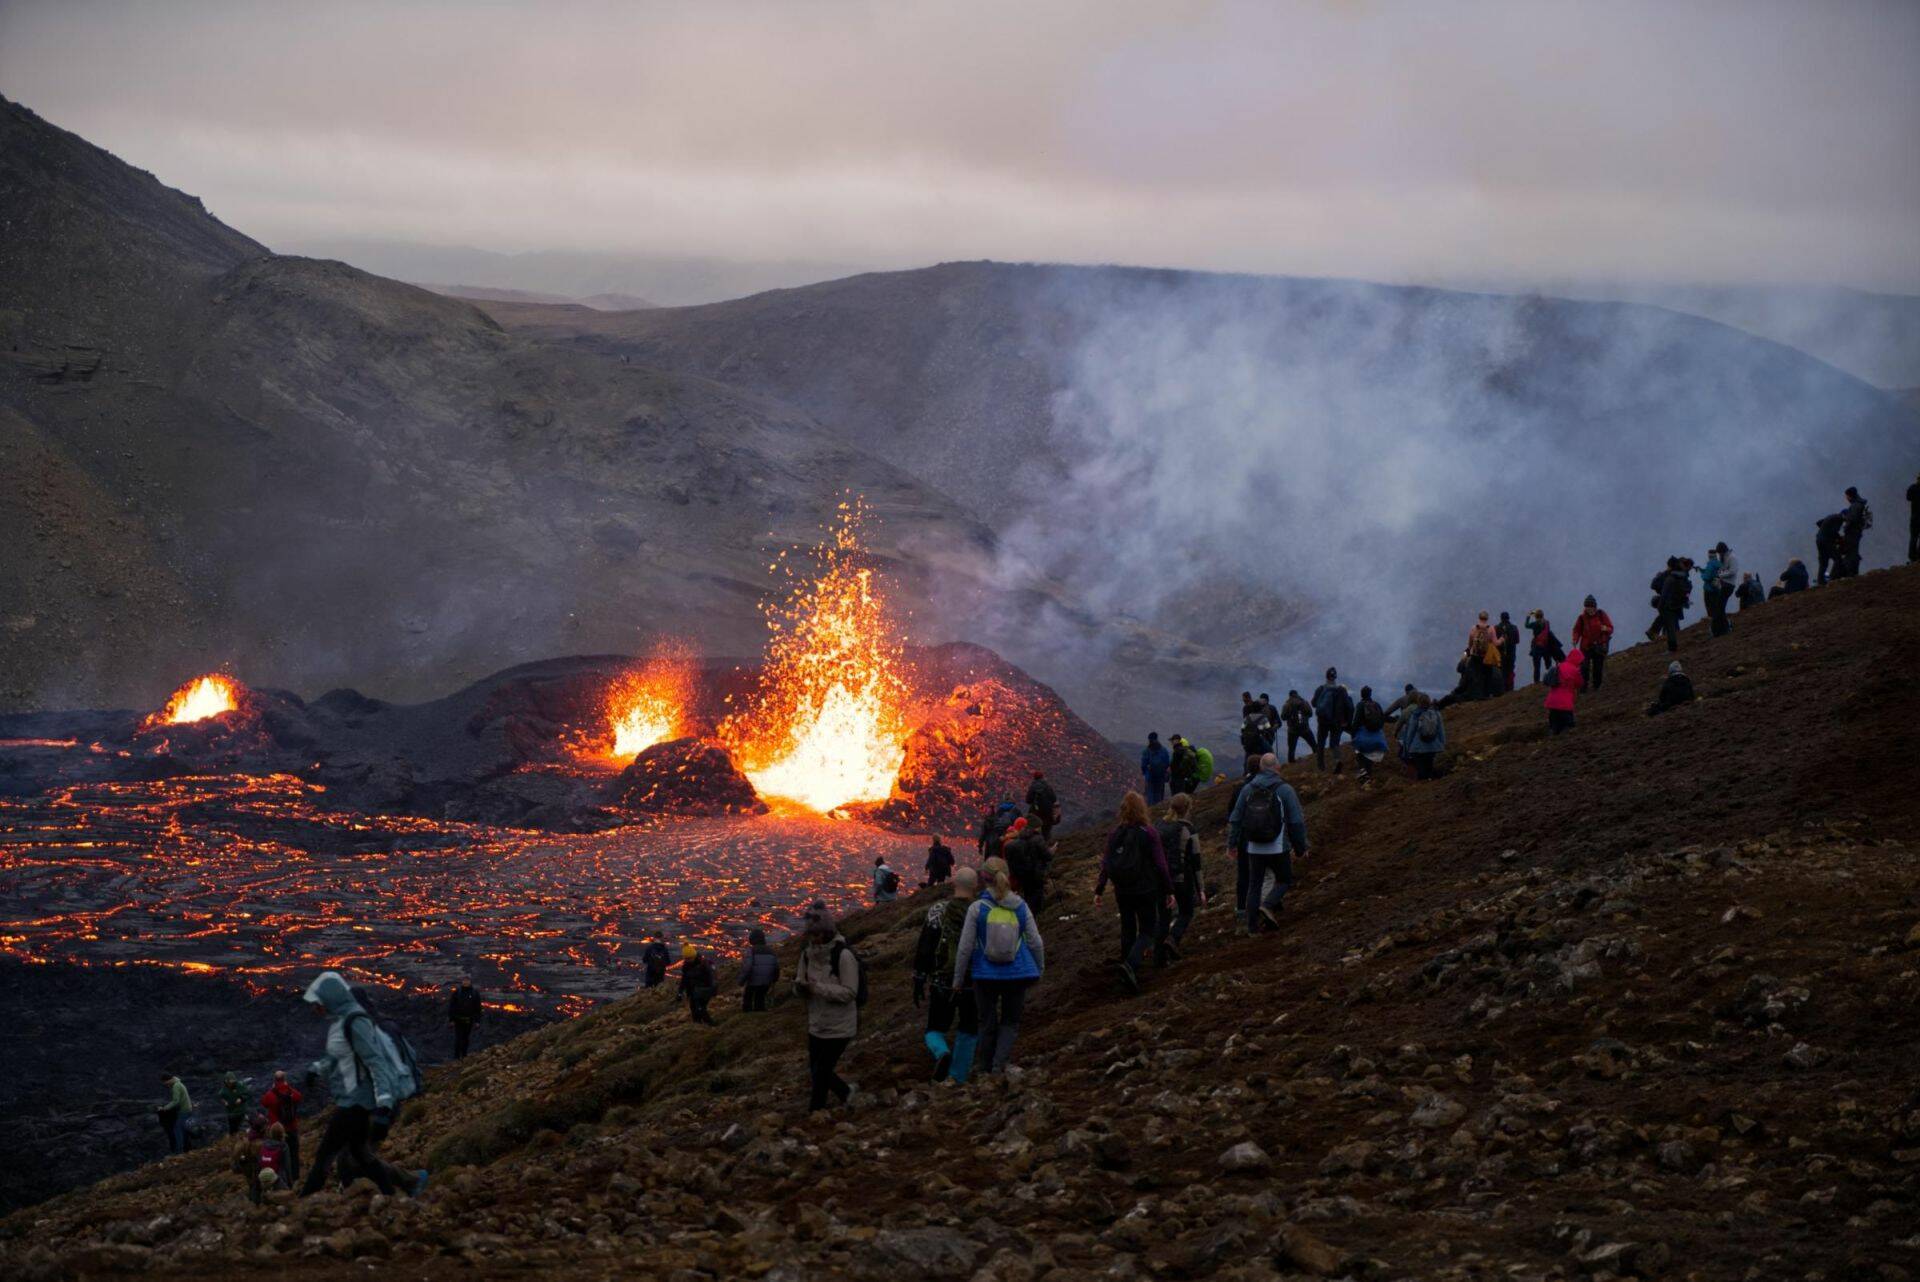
1639,1001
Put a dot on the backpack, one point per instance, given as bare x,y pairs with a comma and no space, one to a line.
1866,516
1342,707
399,1054
1372,716
1427,724
1003,935
859,966
997,825
1173,840
1129,866
1263,820
889,881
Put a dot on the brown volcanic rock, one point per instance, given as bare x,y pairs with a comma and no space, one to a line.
686,777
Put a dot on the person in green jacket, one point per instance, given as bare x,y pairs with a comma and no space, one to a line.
236,1097
174,1113
1203,775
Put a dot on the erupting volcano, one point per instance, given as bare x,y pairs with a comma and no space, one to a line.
645,707
826,726
200,698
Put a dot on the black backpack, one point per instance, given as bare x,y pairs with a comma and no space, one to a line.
1173,843
889,880
997,827
1264,818
859,965
1130,866
1342,707
1372,716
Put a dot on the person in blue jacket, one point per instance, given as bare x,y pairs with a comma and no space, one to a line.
999,957
1156,763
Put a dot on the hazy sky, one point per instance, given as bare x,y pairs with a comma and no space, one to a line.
1423,139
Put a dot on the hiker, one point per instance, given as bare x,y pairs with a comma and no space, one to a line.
1269,723
1043,805
1565,682
1859,519
367,1081
1405,705
697,983
829,977
1826,545
654,960
1142,883
272,1164
1913,520
1370,734
1268,824
1182,847
1675,690
1000,955
1240,856
463,1012
993,828
1483,657
1593,637
933,982
174,1114
1544,649
1155,764
1029,859
235,1097
759,971
1749,593
886,882
939,861
1509,650
1792,579
1423,736
1333,713
1203,766
282,1103
1715,589
1297,713
1466,685
1672,588
1185,767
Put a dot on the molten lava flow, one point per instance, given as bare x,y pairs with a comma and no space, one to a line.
645,707
200,698
826,726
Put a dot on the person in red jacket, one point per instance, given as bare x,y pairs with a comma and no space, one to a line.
1565,682
282,1102
1593,637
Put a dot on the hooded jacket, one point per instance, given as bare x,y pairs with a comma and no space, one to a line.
832,1011
357,1073
1155,762
1413,741
760,968
282,1102
970,955
1293,827
1592,631
1333,705
1560,697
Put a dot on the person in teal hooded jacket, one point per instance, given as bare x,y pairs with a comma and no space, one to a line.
365,1085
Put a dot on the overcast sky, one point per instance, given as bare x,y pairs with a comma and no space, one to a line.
1746,140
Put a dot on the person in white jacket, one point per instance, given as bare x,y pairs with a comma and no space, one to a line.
365,1083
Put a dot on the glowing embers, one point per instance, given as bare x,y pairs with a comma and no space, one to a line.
200,698
644,707
826,726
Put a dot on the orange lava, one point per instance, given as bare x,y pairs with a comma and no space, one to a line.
826,726
644,707
200,698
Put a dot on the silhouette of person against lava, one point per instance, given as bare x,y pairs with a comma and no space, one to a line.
697,983
1043,805
654,961
759,969
939,861
463,1012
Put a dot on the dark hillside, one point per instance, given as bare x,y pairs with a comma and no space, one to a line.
1639,1001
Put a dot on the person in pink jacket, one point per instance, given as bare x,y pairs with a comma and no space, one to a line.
1565,681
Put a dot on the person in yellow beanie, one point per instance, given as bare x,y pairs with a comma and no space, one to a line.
697,983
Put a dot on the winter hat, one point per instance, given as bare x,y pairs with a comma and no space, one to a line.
688,952
818,917
1673,669
1153,736
1504,618
1332,673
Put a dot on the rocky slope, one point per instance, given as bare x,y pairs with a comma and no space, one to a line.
1639,1001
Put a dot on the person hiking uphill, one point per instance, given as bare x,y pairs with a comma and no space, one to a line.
939,860
654,960
1029,860
1544,649
1185,765
1564,683
368,1081
1182,847
1370,734
235,1097
1297,714
759,971
1423,735
1675,691
1672,588
282,1103
933,966
1509,650
993,828
1043,805
1333,713
1142,883
697,984
1156,763
463,1012
1593,637
1000,955
1268,825
829,977
175,1113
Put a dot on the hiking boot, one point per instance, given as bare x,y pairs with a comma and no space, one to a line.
1270,918
1128,977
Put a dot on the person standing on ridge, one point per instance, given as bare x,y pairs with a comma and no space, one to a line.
697,983
463,1012
1156,763
1714,591
1858,520
1544,649
759,971
1483,658
175,1114
933,982
235,1097
1370,733
1185,765
654,960
1509,637
1203,766
1564,683
828,977
1333,713
1029,859
1142,883
1269,722
1297,714
282,1103
1000,956
1043,805
939,860
1827,546
1593,637
1268,825
886,882
1182,847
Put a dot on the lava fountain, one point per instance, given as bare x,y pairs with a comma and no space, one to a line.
644,707
826,726
200,698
